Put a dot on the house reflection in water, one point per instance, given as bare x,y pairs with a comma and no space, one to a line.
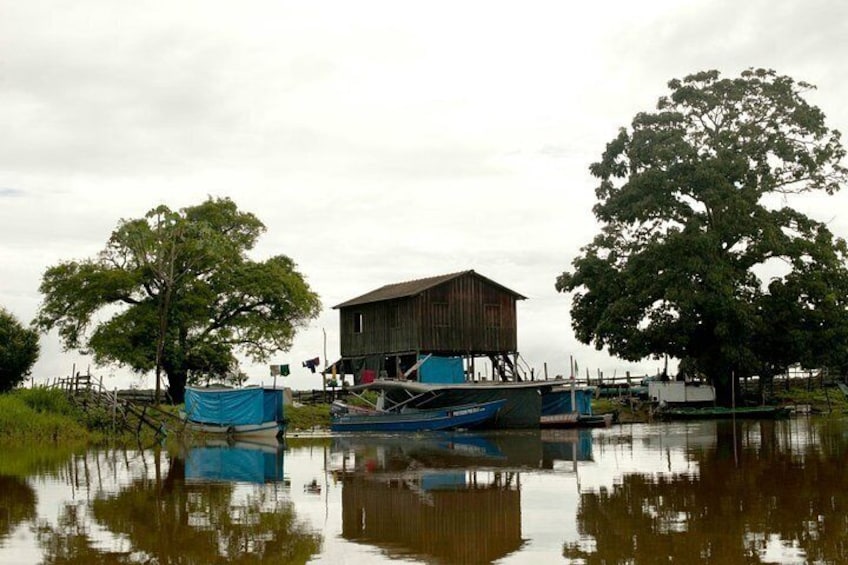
453,498
446,497
452,516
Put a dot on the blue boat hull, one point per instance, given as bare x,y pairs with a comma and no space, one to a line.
465,416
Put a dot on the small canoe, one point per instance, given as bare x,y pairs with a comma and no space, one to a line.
411,420
575,420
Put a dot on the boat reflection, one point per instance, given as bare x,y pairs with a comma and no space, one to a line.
560,447
239,461
448,497
530,450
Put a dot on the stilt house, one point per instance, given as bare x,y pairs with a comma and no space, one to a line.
430,329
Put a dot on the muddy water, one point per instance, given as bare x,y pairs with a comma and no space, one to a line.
702,492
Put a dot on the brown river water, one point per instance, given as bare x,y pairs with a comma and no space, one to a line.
695,492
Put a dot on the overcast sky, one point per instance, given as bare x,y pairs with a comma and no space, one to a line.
378,141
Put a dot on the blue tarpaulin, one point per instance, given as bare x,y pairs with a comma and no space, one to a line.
441,370
234,406
559,402
233,464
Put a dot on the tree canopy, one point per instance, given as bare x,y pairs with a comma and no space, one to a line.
175,291
699,256
18,351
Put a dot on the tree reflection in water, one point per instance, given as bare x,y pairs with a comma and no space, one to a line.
17,504
755,488
168,520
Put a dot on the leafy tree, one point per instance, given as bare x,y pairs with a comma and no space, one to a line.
175,293
692,209
18,351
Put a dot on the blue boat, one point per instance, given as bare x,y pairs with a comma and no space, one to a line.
237,412
414,420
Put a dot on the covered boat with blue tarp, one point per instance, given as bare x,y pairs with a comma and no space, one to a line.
239,412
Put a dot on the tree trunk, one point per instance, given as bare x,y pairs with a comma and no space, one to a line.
176,385
723,388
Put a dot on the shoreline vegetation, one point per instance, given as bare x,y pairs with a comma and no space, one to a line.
46,416
42,416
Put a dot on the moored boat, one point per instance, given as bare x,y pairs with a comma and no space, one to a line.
575,420
413,420
251,412
571,407
718,412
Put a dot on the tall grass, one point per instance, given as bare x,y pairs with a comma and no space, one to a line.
50,400
39,415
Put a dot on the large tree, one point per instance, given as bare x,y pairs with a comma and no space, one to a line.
175,292
18,351
699,256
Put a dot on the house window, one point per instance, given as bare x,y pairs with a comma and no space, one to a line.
492,315
358,322
441,319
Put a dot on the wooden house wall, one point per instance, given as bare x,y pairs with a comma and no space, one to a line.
389,327
470,327
452,318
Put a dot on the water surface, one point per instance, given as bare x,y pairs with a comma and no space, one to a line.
700,492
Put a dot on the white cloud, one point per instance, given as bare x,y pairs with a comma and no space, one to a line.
378,141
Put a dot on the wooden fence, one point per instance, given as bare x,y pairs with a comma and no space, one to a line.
89,394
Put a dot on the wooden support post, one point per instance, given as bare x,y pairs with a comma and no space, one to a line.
141,420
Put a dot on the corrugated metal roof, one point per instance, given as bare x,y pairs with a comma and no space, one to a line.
413,288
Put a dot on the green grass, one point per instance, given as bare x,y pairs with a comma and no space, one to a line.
308,416
822,400
46,400
605,405
41,415
38,415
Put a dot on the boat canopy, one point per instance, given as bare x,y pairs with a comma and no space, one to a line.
234,406
558,401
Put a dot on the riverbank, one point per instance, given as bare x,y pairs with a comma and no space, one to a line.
46,416
41,416
826,401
